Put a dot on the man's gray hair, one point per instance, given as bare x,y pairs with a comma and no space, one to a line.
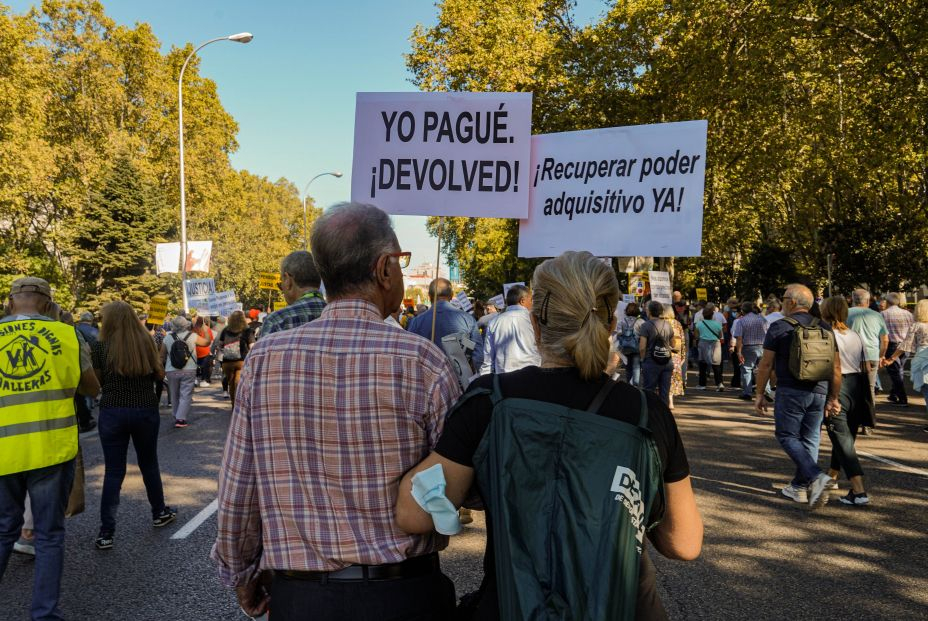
801,295
516,294
302,268
347,240
894,299
860,297
773,304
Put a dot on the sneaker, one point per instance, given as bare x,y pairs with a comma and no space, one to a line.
164,518
465,516
720,388
857,500
925,429
794,493
832,485
700,388
205,384
180,423
866,431
817,496
104,540
25,546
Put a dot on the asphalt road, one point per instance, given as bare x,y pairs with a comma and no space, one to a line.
764,556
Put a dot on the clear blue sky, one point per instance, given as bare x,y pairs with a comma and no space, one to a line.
292,88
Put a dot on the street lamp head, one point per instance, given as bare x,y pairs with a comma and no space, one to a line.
337,173
242,37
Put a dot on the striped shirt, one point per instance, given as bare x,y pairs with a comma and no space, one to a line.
752,328
307,308
898,322
328,418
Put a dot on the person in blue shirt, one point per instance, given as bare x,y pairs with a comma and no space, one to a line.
450,320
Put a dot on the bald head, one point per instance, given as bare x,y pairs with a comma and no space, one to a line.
440,287
800,296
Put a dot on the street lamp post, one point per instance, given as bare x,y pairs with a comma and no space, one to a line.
242,37
305,191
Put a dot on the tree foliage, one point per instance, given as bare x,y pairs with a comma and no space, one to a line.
818,120
89,162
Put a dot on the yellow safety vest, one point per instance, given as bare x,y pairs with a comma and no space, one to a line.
40,370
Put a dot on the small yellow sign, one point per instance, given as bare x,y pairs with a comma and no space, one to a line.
268,281
157,309
702,295
279,304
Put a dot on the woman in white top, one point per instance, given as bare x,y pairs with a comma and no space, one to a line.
916,344
856,402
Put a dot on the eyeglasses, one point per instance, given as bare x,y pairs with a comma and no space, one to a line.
403,258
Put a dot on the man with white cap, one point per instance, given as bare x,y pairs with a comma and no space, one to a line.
180,367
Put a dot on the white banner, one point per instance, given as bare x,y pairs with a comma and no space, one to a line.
199,291
620,191
661,289
222,303
167,257
463,302
443,154
499,301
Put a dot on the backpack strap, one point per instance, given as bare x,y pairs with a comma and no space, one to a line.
600,397
643,412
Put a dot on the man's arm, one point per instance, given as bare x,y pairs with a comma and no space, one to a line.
764,369
642,346
475,336
738,345
884,345
486,367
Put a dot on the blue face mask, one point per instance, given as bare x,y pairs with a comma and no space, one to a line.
727,309
428,490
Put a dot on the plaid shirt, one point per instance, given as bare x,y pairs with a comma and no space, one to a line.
752,328
307,308
327,420
898,321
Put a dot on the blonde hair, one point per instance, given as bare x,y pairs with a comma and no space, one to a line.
130,350
921,311
573,298
834,311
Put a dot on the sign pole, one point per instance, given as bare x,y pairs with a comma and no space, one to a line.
441,222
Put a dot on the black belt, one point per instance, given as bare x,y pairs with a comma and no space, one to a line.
410,568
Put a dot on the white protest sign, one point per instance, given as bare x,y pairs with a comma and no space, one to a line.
628,298
443,154
508,286
198,292
222,303
463,302
661,289
167,257
620,191
499,301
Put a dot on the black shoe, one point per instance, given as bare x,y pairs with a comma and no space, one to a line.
746,397
892,399
88,426
104,540
164,518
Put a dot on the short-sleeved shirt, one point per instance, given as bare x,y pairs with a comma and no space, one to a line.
898,320
119,391
651,329
751,328
465,428
851,350
778,340
870,325
709,330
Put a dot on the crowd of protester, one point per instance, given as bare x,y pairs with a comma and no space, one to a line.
388,424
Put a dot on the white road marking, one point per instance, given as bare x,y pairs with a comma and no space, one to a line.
890,462
730,484
197,520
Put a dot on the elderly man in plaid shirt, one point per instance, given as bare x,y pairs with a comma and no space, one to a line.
898,321
329,417
749,331
299,282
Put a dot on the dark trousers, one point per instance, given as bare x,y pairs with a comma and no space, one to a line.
48,489
423,598
205,368
735,370
117,426
704,373
842,429
895,375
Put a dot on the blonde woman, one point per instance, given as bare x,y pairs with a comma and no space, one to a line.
603,445
678,358
916,342
128,367
856,402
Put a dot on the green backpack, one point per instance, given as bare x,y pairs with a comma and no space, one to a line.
811,351
568,493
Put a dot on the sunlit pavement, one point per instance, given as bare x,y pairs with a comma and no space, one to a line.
764,556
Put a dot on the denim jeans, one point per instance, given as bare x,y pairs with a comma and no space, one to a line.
657,378
116,427
895,374
48,489
751,354
798,415
633,369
